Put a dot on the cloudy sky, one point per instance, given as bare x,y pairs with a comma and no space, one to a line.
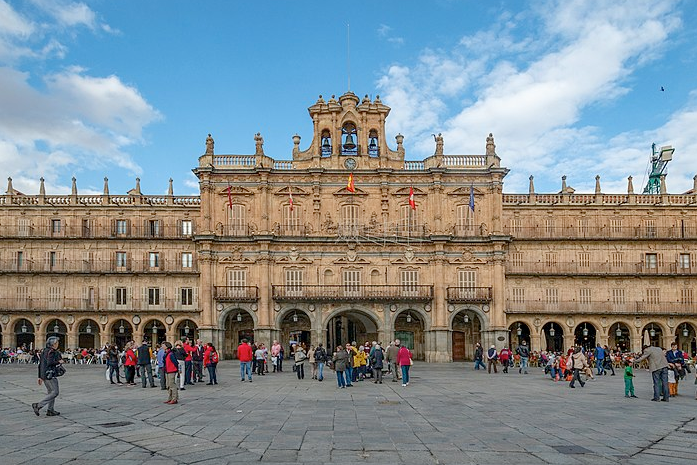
130,89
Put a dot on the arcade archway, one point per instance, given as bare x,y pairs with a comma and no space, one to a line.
24,334
620,337
553,337
155,331
409,329
685,336
350,326
121,333
584,336
187,329
295,327
466,332
239,324
88,334
652,334
517,333
56,328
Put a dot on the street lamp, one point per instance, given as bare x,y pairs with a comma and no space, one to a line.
585,330
154,328
187,329
552,332
519,331
24,327
121,328
408,317
618,331
685,331
88,328
56,328
239,317
652,332
466,319
295,317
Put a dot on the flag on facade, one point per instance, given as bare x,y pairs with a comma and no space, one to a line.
412,202
472,197
229,196
290,198
350,186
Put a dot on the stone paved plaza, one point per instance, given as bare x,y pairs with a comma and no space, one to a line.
449,414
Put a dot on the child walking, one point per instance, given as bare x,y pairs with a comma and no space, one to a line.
628,379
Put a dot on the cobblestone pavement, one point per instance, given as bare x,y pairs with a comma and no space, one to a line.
449,414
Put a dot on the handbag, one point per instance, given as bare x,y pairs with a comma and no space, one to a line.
411,362
55,372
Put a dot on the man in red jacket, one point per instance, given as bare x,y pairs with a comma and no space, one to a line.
171,370
245,355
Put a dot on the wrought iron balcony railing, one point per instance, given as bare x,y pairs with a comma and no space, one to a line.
236,293
469,294
353,292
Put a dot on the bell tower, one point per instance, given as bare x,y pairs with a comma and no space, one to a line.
349,133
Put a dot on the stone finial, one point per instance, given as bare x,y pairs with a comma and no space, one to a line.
377,99
10,189
597,184
320,99
137,188
531,188
259,143
400,141
73,190
42,187
210,145
106,186
664,188
694,184
490,146
170,189
296,144
439,144
630,186
563,184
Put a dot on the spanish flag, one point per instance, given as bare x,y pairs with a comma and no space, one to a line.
412,202
350,186
290,198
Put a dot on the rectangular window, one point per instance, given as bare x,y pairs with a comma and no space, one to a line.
55,227
20,260
515,226
236,281
187,260
650,228
86,228
153,296
408,220
238,221
121,227
291,220
584,296
187,294
52,260
24,227
616,259
517,259
686,297
583,227
549,227
351,280
684,261
551,295
350,219
22,294
154,259
653,296
154,228
121,259
121,296
651,261
518,295
618,296
550,259
616,227
465,220
409,279
294,282
54,297
584,260
187,227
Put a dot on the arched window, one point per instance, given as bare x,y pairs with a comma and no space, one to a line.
348,139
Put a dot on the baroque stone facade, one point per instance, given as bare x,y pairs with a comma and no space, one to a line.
349,241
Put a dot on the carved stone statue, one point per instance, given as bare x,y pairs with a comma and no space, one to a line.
210,144
439,143
308,228
373,223
276,228
328,224
483,230
259,141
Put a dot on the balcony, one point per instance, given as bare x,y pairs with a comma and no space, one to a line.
631,308
96,266
69,304
469,294
236,293
604,232
598,268
352,293
129,231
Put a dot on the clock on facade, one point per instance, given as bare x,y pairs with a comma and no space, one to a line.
350,163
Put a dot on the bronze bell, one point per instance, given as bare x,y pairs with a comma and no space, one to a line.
325,144
373,146
349,144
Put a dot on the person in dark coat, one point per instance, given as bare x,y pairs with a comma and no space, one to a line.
49,360
376,361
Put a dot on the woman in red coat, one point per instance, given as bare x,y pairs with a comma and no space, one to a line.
404,360
210,361
130,364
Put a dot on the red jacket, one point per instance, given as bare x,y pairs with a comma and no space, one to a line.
189,350
171,362
130,358
244,353
209,357
403,356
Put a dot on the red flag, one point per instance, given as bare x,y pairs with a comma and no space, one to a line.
229,196
412,202
290,198
350,186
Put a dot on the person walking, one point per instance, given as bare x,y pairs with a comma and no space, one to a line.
609,360
492,359
171,371
505,357
320,360
188,361
245,356
313,361
50,358
524,352
578,364
145,364
340,361
197,358
628,379
599,355
376,362
260,358
113,364
658,366
161,367
275,356
180,355
130,364
210,361
479,357
404,360
300,357
391,358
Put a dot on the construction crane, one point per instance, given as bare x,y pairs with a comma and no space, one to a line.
659,160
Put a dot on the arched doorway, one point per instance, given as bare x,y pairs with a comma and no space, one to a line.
466,332
653,335
517,333
620,337
57,328
295,329
88,334
24,334
685,336
584,336
121,333
553,337
187,329
155,331
409,329
239,325
350,326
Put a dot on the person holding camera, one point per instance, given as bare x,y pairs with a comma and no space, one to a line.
50,368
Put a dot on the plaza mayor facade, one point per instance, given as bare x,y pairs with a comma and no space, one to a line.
348,241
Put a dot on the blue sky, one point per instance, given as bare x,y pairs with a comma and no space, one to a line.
131,88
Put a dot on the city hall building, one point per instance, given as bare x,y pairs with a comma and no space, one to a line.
348,241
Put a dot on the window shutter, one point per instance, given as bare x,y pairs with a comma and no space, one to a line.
659,259
47,260
160,229
195,301
162,296
129,295
110,296
128,227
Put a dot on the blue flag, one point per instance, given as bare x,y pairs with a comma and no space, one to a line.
472,197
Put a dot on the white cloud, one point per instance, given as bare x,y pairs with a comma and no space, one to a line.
68,13
531,91
12,23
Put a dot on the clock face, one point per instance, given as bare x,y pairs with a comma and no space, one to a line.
350,163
